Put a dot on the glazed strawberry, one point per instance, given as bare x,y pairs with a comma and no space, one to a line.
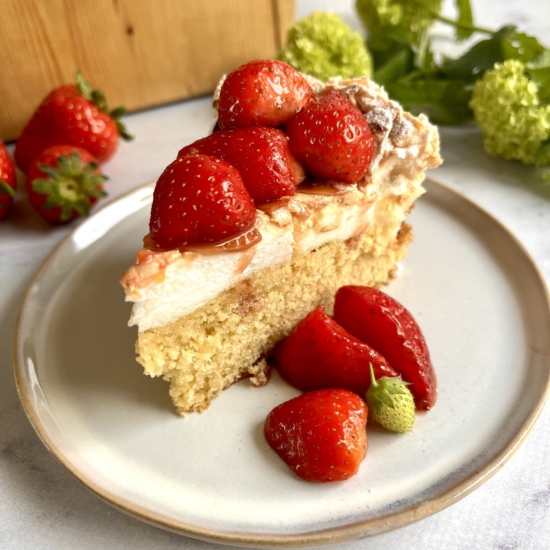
72,115
262,93
8,181
199,199
383,323
262,156
321,354
321,435
332,139
64,182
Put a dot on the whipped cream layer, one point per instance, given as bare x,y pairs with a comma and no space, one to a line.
165,286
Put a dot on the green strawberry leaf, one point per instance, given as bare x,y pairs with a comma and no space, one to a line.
42,186
66,212
465,19
396,389
385,399
6,189
52,202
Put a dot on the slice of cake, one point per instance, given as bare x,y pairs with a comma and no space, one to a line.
209,313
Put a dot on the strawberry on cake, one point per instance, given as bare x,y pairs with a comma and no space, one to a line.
303,188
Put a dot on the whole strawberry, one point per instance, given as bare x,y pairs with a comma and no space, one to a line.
64,182
72,115
383,323
320,354
391,404
321,435
262,93
262,156
332,139
199,199
8,181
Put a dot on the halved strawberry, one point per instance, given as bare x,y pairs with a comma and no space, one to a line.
8,181
319,354
199,199
383,323
332,139
262,93
262,156
72,115
321,435
64,182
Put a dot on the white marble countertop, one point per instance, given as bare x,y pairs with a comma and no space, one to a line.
42,506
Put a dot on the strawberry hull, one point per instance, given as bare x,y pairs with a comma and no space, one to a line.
383,323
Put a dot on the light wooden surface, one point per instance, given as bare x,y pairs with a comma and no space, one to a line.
141,53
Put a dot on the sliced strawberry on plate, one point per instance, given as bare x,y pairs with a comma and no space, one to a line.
332,139
8,181
262,93
72,115
321,354
199,199
64,182
262,156
321,435
383,323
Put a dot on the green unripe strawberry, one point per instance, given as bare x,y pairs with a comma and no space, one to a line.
391,403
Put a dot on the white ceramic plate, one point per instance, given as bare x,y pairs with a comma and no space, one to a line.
479,299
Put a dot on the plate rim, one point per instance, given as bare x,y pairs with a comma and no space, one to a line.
329,536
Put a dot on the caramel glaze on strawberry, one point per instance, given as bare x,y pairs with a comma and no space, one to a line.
199,200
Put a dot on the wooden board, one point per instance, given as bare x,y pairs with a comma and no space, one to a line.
141,53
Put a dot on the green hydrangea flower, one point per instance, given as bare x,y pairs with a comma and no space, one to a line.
322,45
507,108
402,20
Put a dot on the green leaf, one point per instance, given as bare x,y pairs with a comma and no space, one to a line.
543,154
385,398
66,212
443,101
423,57
118,112
544,93
465,18
539,68
122,131
395,67
520,46
542,160
52,202
479,58
82,206
84,87
6,189
42,186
